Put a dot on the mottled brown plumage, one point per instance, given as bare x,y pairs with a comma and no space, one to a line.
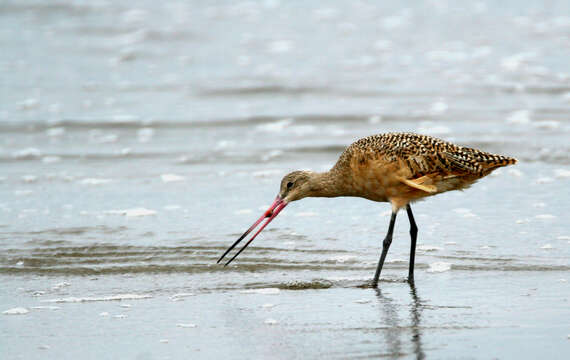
399,168
395,167
403,167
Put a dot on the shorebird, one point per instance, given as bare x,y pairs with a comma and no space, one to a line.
399,168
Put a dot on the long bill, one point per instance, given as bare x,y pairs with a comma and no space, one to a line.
274,210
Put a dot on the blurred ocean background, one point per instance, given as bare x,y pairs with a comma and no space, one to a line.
140,139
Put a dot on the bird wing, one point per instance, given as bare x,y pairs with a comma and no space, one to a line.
420,161
426,163
424,155
419,184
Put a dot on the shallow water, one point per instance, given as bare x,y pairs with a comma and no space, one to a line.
139,142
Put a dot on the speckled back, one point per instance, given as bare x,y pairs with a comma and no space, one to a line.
423,154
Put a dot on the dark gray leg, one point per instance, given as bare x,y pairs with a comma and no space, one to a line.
414,236
385,246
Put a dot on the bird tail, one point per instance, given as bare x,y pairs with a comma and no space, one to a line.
490,162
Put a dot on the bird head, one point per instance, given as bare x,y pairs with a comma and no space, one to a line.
294,186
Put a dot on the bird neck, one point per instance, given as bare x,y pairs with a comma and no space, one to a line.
324,184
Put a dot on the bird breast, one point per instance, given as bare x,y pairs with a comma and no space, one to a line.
376,179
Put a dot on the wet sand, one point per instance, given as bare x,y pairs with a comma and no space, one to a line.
138,143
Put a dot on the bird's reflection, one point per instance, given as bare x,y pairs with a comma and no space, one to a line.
390,317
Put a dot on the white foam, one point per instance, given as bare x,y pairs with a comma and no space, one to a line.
104,138
362,301
518,117
61,285
271,154
53,308
55,132
270,322
275,126
562,173
119,297
51,159
439,267
224,144
163,341
188,325
29,104
126,306
428,248
16,311
95,181
343,258
104,313
27,153
545,216
136,212
563,237
172,178
180,296
546,246
267,306
264,291
120,316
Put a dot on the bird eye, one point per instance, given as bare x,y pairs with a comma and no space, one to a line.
289,184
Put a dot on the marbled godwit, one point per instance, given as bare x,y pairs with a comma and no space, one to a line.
399,168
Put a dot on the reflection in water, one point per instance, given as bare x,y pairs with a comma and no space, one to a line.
390,317
415,312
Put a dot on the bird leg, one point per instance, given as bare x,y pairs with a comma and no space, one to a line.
385,246
413,236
